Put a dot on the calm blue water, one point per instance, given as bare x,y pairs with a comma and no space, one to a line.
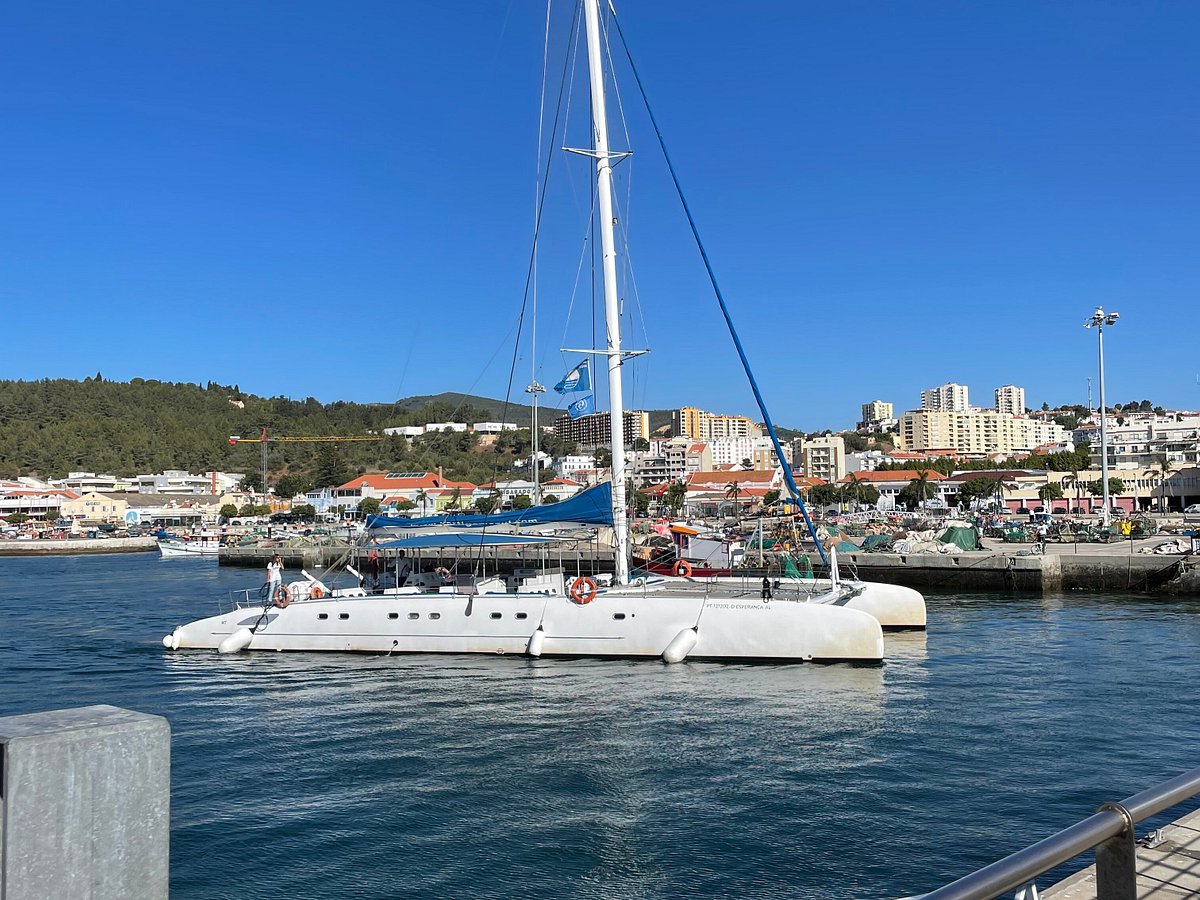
302,776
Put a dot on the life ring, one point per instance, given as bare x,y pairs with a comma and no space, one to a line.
583,591
283,596
317,592
683,569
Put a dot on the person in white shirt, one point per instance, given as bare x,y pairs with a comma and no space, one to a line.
274,575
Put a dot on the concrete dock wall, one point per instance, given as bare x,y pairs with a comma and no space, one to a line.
85,800
80,546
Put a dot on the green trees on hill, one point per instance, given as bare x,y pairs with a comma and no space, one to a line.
51,427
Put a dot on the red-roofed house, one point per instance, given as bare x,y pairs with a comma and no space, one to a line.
393,487
890,484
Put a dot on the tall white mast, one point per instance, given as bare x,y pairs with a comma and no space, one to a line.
616,405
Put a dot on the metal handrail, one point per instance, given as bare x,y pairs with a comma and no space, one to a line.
1109,830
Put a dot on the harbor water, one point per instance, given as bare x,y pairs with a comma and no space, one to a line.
356,776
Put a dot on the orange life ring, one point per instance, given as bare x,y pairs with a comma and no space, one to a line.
283,596
583,591
317,592
683,569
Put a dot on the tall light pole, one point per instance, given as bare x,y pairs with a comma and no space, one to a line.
1098,320
534,388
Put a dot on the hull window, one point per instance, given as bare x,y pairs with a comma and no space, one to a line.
393,615
618,616
343,615
495,615
522,615
322,615
414,615
435,615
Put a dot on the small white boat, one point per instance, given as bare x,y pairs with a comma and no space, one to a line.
200,545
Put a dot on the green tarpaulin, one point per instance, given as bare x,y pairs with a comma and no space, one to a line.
964,538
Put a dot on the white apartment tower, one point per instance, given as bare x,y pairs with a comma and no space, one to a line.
1010,399
945,398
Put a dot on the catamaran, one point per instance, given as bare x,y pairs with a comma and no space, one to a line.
550,610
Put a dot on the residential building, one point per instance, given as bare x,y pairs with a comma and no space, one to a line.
34,502
976,431
85,482
178,481
1140,441
947,397
821,457
864,460
877,416
1010,399
710,493
594,430
891,483
700,425
568,466
678,458
393,487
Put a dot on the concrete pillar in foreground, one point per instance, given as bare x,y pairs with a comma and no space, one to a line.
85,798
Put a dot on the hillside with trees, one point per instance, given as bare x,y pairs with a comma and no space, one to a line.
51,427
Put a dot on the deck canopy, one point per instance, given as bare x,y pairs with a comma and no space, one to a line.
458,539
590,507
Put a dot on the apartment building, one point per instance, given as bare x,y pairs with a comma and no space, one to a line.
877,416
947,397
977,431
1010,399
821,457
688,421
594,430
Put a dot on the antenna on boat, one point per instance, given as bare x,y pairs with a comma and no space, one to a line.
612,318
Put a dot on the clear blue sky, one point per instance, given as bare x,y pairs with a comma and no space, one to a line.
335,199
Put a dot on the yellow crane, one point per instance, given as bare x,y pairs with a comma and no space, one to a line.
265,439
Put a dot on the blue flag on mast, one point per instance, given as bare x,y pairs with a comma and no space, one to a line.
584,406
578,379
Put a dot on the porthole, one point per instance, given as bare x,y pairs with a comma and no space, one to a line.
522,615
618,615
343,615
495,615
322,615
435,615
414,615
393,615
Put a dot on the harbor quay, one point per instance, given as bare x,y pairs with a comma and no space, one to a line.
1097,568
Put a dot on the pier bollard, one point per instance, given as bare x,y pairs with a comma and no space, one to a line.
85,799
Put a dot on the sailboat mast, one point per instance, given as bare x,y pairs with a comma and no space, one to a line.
616,406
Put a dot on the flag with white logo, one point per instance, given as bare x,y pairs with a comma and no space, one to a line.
584,406
578,379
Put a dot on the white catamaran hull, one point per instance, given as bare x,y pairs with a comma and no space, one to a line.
631,623
896,607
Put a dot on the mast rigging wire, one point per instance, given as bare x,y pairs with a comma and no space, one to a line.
712,277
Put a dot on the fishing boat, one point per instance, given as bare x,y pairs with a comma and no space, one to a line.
550,610
206,544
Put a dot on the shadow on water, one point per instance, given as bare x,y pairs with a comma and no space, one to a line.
345,776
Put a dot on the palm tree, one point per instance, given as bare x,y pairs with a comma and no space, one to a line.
1069,480
421,498
732,490
455,498
1164,466
923,487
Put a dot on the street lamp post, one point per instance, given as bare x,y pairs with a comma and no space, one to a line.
1098,320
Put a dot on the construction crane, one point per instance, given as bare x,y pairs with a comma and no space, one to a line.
264,439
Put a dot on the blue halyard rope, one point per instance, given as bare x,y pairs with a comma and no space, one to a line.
737,341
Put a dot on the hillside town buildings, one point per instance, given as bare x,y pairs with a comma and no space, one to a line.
688,421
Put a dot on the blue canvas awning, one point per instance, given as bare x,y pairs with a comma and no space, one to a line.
462,539
590,507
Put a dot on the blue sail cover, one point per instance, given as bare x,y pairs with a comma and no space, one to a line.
590,507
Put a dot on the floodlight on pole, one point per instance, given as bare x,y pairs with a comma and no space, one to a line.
1098,320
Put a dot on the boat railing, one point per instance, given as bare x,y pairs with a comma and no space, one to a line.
1109,830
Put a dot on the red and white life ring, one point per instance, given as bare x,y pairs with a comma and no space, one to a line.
583,591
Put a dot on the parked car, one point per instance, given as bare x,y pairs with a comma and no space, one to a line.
1194,508
1021,510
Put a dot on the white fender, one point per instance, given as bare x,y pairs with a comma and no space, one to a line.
683,644
171,641
236,642
535,643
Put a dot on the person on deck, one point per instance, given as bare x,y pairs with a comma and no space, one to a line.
403,569
274,575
